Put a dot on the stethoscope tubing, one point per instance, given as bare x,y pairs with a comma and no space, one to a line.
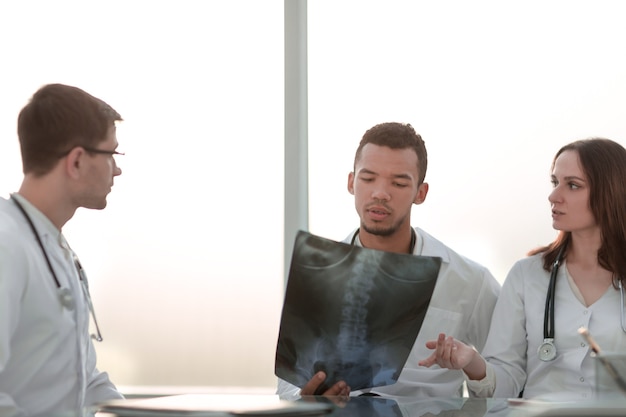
65,296
547,350
43,250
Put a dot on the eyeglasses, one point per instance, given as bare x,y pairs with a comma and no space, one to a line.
92,150
102,151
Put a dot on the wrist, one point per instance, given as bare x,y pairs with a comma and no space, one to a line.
477,368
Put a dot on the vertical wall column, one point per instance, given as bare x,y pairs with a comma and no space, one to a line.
296,126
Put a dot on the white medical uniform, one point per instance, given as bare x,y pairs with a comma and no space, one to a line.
47,359
517,332
461,306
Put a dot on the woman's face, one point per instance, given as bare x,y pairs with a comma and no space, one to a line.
570,197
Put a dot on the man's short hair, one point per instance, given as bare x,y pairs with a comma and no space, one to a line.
57,119
396,136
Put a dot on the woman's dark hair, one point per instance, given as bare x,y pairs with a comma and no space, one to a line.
604,163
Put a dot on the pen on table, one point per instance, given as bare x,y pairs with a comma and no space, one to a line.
595,348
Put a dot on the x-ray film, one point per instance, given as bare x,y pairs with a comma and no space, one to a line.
352,312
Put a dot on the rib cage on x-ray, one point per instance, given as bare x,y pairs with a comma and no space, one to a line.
352,312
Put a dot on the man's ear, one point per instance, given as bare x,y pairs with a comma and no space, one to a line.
73,162
351,183
422,191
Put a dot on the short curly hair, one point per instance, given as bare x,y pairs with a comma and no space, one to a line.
396,136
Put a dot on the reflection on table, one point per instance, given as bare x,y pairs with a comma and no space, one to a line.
468,407
379,406
385,407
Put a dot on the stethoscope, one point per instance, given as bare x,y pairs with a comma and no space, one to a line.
65,295
621,305
547,350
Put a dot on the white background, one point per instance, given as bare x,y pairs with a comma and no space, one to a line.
186,261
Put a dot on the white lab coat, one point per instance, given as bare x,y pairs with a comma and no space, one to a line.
461,306
47,359
517,332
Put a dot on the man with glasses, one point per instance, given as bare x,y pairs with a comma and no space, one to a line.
47,358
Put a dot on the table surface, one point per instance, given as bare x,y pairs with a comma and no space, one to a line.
475,407
440,407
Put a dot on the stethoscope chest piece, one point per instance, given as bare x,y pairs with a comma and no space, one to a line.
547,350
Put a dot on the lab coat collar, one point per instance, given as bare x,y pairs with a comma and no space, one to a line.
432,246
43,224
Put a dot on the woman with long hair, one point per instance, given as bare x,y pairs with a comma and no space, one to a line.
534,347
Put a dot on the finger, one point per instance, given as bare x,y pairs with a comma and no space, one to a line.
345,392
338,389
313,384
444,353
431,344
429,361
340,400
441,347
451,350
441,340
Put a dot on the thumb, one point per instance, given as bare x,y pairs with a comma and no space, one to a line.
431,344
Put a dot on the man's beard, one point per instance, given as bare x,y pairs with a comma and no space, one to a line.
381,231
